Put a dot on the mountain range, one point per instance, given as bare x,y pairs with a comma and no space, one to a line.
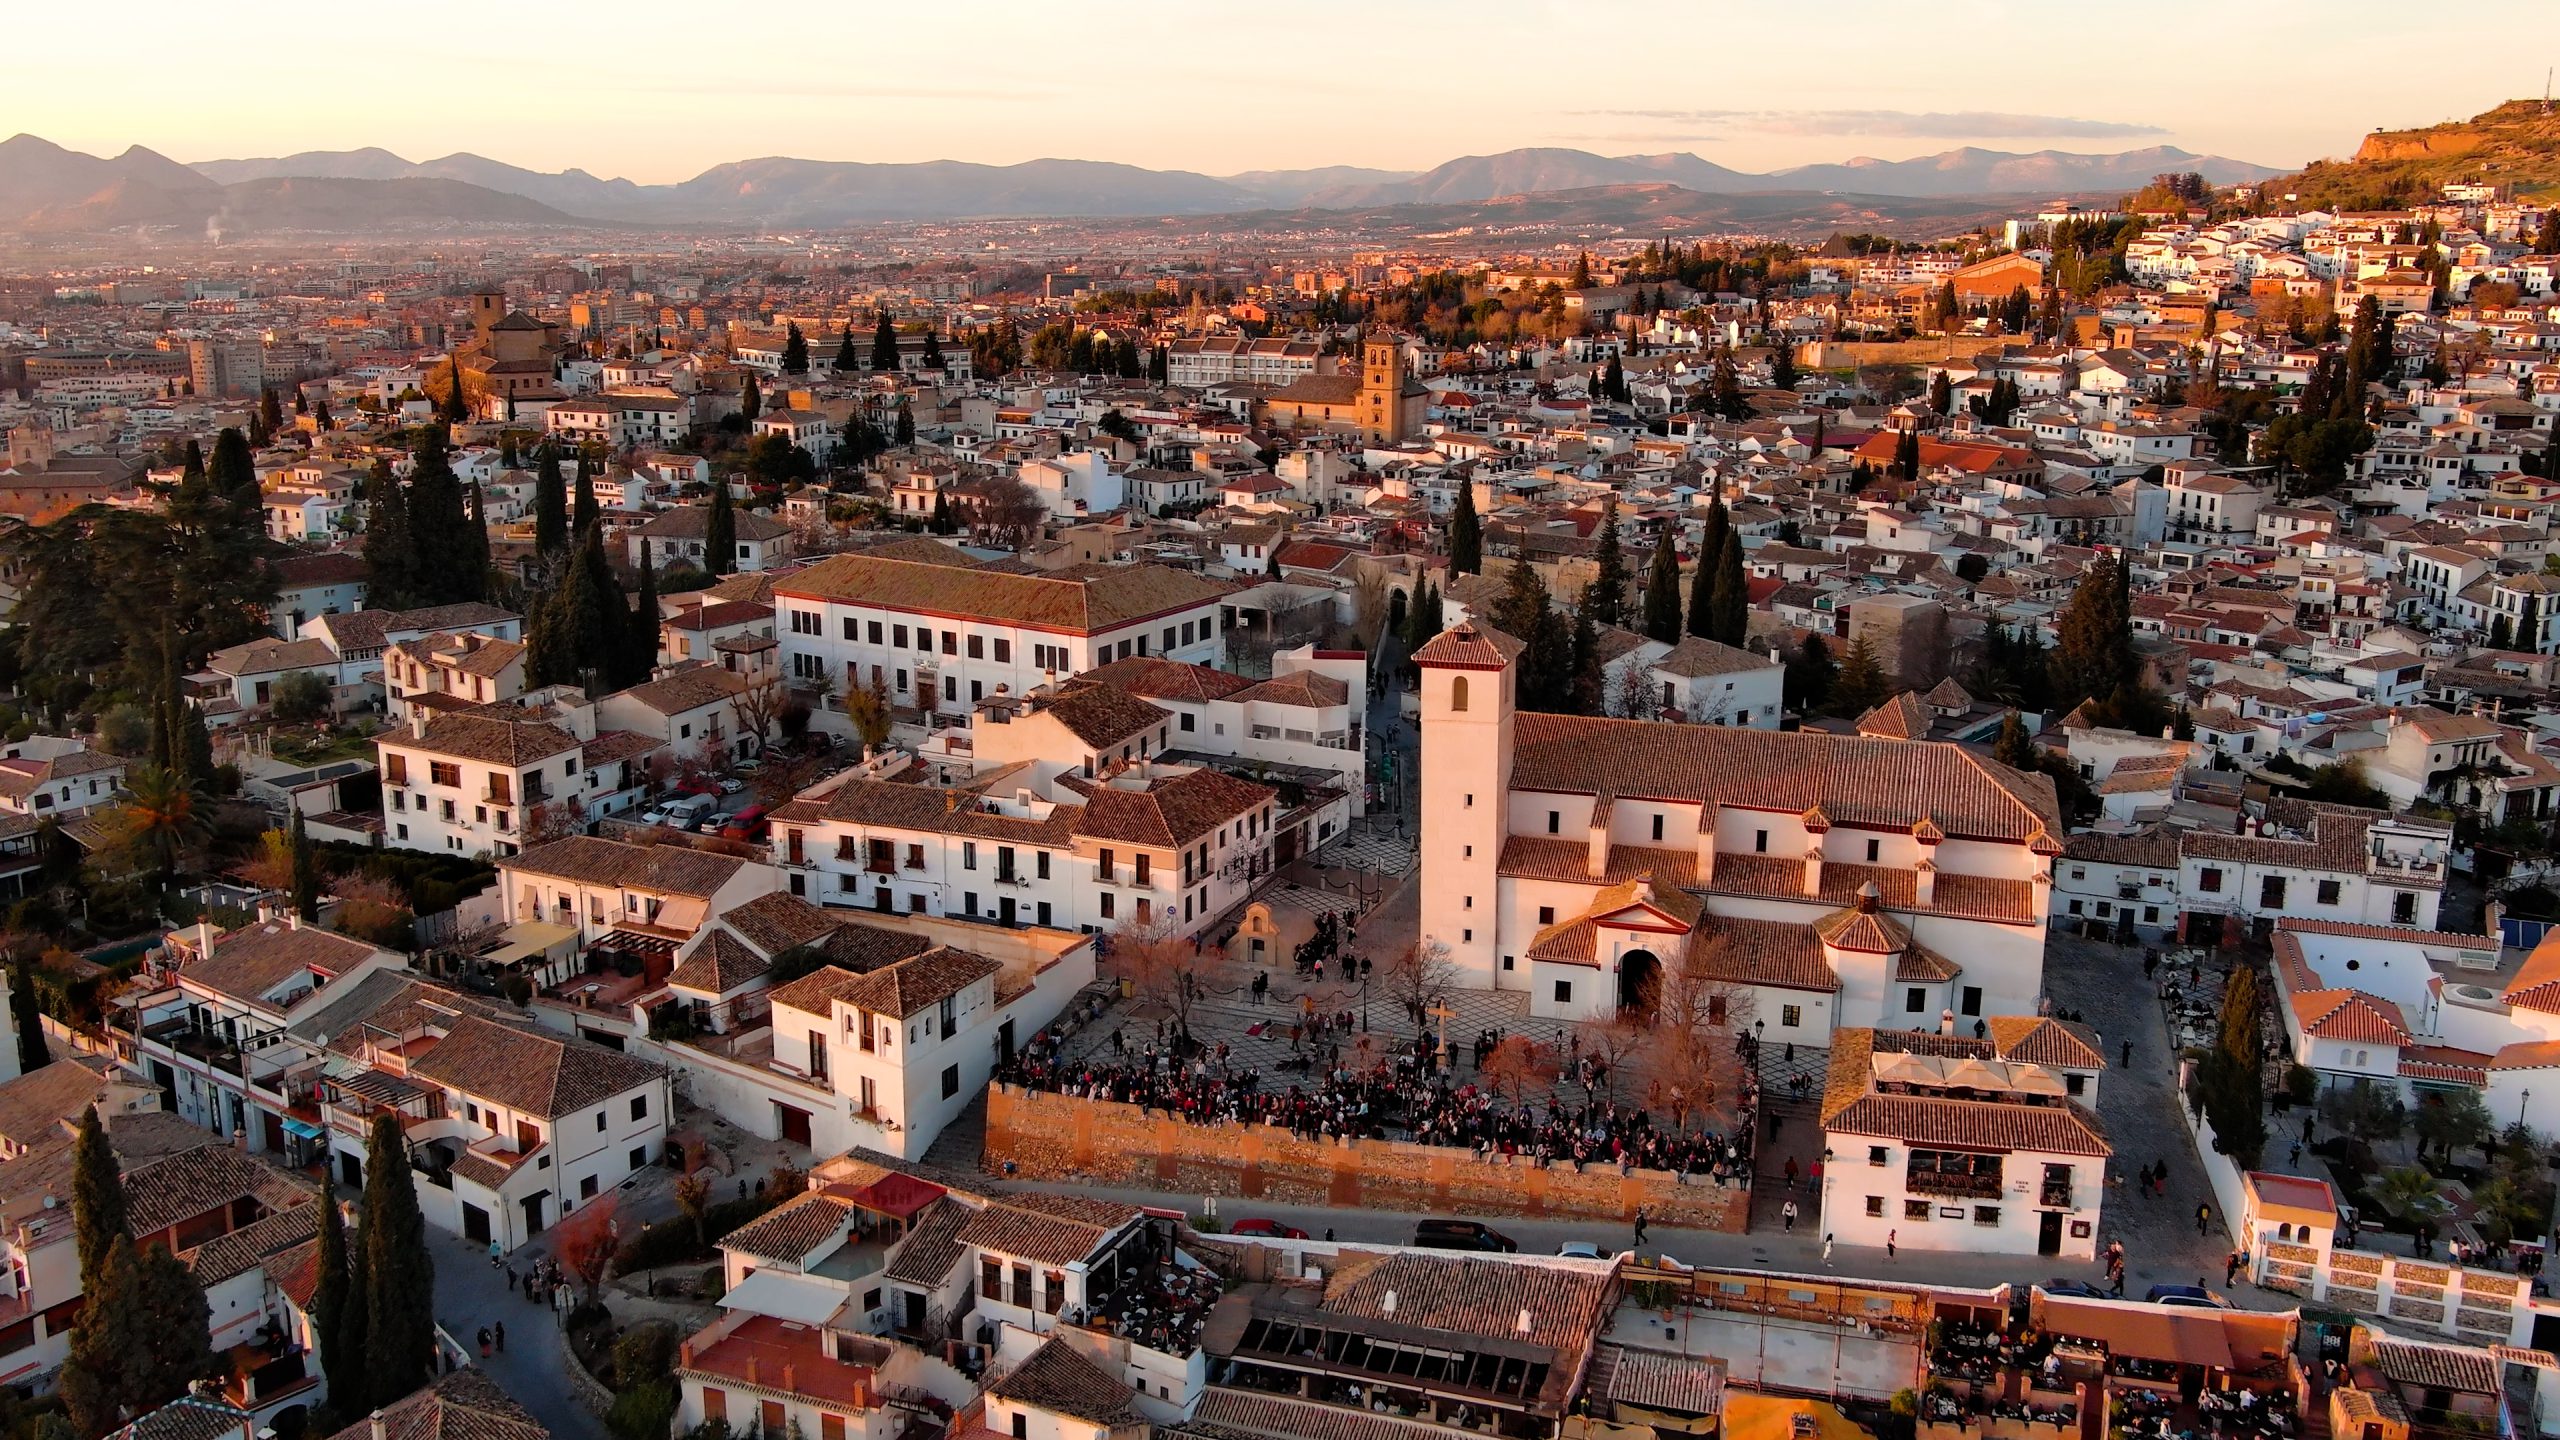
45,188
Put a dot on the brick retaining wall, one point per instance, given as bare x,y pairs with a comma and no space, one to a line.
1056,1137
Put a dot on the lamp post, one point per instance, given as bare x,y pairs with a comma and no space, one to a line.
2522,1101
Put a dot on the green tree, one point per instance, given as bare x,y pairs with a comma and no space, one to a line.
750,396
1466,534
795,350
27,1019
2094,656
1782,366
933,359
2453,1120
400,1274
233,473
884,346
1862,683
2014,749
1604,599
141,1339
1662,592
584,512
906,430
390,561
1810,675
306,874
846,357
333,1291
270,412
1729,603
640,638
720,533
163,820
456,408
97,1199
1702,585
449,567
550,506
300,697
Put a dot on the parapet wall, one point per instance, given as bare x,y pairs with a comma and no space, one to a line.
1056,1137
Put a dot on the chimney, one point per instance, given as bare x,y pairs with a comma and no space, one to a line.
1707,843
374,1422
1946,1022
1813,871
417,723
1925,882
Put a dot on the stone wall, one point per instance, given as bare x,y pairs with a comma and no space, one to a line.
1054,1137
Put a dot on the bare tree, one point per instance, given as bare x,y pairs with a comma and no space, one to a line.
1417,976
1369,605
1159,967
759,706
1696,1015
1516,1064
1621,1044
1008,512
554,819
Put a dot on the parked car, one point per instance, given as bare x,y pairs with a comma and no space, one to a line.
730,785
1461,1235
654,815
713,823
748,766
1579,1250
747,824
2077,1289
2195,1296
1268,1229
686,813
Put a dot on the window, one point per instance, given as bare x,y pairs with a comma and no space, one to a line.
977,647
875,632
587,1188
1987,1216
991,1280
639,1107
1657,827
1875,851
1875,1205
600,1122
2209,880
1546,914
898,636
1877,1155
1110,905
951,643
2329,891
2404,908
1555,821
1004,651
1915,1000
804,622
1564,992
950,1081
1790,1016
2271,892
1971,1000
1915,1209
1760,842
968,854
445,773
1457,692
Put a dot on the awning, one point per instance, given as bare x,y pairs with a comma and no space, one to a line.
804,1298
303,1128
632,942
526,940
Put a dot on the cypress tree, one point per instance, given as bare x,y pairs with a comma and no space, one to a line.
585,511
884,345
720,533
906,424
1604,600
1729,604
795,350
1466,534
97,1198
1810,675
333,1291
2014,749
933,352
2093,657
28,1020
1702,586
1862,683
846,359
192,468
306,874
270,413
400,1288
477,577
750,398
642,634
550,506
457,405
1662,593
233,474
439,530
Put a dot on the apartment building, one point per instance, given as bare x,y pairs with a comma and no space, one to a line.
491,781
940,635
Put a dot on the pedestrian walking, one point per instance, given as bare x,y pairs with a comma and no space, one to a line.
1640,1224
1791,1174
2231,1267
498,1332
2204,1219
1826,1251
494,1253
1892,1242
1789,1215
511,1278
2127,1062
484,1342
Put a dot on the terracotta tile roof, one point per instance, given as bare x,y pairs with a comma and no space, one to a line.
1540,857
1059,1379
688,689
2446,1063
932,1245
250,962
1104,715
1777,953
2351,1016
1901,718
2437,1367
918,983
191,1417
720,962
1659,1380
891,805
2042,1040
1041,1229
2526,1055
39,1104
1305,689
1170,813
1225,1414
1857,780
1852,1105
1981,897
593,860
1466,1296
1081,599
1919,965
255,1243
486,738
693,522
180,1187
329,567
1469,646
520,1070
2536,985
2332,838
1857,928
1697,656
1167,679
777,921
463,1405
790,1231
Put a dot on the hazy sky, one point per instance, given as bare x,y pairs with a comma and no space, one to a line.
657,91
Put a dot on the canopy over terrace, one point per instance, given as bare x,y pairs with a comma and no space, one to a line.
2236,1342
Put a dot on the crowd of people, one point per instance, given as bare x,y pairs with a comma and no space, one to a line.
1409,1095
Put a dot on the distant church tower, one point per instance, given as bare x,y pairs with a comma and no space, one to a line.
1382,408
1468,695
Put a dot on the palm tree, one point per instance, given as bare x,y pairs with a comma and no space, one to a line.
164,819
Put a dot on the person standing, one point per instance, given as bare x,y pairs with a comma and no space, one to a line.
2204,1219
1826,1251
1789,1215
498,1332
1640,1224
1892,1240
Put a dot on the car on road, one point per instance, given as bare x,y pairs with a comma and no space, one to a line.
1579,1250
2195,1296
654,815
1461,1235
1267,1229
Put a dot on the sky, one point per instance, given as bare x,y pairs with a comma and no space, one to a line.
660,90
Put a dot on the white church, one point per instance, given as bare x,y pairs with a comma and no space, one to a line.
1840,881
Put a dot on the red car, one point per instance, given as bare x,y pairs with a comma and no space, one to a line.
1267,1229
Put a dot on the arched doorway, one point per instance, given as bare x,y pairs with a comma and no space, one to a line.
1639,983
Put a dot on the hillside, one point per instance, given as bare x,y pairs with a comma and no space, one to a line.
2517,144
48,190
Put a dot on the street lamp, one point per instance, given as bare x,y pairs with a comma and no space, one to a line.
2521,1102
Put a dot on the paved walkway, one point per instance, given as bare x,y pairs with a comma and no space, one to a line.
469,1294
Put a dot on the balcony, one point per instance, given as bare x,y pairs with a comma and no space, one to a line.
1953,1184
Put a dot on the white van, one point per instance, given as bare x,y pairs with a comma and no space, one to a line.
684,814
